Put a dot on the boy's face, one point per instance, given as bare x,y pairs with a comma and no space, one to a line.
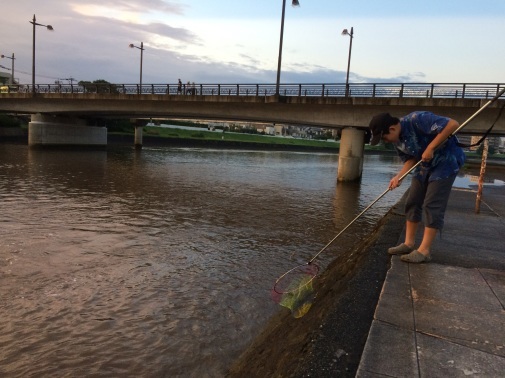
394,134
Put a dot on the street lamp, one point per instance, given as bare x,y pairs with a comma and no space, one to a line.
48,27
351,34
141,48
294,3
12,69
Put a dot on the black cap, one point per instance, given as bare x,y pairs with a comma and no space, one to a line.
380,124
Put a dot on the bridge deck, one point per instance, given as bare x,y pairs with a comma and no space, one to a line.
323,110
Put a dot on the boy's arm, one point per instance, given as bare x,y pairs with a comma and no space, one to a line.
428,153
395,181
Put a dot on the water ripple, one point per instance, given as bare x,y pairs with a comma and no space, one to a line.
124,264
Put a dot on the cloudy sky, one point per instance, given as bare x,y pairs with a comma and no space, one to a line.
237,41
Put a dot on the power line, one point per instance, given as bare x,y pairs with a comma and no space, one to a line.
38,75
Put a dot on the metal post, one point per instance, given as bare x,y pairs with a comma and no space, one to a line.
351,34
481,175
33,56
294,3
141,48
13,68
50,28
141,59
277,84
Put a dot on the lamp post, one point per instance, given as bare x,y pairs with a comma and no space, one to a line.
12,69
294,3
48,27
141,48
351,34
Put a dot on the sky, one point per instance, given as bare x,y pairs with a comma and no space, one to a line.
237,41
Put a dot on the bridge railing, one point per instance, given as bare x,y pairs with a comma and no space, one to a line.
398,90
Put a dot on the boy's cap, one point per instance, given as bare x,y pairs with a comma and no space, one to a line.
379,124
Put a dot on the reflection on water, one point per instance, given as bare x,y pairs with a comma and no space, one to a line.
470,180
159,262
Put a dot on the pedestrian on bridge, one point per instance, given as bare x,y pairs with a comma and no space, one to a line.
420,136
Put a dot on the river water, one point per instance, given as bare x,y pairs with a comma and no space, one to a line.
159,263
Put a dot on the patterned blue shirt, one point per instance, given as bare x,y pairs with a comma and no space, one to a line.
418,129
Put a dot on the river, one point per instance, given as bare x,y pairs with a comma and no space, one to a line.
159,263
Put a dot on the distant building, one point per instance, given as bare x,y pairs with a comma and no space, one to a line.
279,130
5,78
269,130
216,125
494,142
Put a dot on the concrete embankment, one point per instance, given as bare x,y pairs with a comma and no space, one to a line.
329,339
446,318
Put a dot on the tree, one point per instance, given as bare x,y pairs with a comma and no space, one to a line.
99,86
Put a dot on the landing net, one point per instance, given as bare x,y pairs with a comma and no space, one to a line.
294,289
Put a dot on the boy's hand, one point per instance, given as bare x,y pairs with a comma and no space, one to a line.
427,154
394,183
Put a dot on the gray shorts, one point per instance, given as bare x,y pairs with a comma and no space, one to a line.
428,198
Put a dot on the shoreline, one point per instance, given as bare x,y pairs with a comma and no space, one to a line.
20,136
155,141
329,340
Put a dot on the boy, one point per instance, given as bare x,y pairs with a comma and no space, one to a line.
421,136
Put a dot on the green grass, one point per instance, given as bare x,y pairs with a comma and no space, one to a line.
205,135
235,137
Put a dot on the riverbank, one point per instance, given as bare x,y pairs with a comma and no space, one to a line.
177,137
253,142
329,339
356,311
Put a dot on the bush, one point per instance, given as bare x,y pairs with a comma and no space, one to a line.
198,135
9,121
119,125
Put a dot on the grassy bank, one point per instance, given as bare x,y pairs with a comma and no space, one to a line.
204,137
218,136
201,136
243,138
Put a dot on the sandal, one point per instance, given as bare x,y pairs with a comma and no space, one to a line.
415,257
400,249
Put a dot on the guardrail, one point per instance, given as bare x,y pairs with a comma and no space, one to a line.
398,90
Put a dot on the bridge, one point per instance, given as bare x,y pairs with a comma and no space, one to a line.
59,112
318,105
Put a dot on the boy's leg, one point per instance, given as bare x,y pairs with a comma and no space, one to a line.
413,213
435,203
428,237
410,233
413,210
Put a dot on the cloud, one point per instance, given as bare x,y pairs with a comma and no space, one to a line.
179,34
130,6
91,41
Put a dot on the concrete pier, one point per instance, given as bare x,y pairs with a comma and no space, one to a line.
350,159
46,130
138,137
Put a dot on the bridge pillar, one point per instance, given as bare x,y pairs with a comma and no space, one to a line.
350,158
138,137
47,130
